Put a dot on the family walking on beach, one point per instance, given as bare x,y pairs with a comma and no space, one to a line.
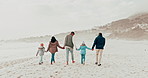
53,46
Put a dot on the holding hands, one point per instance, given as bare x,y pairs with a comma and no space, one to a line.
63,47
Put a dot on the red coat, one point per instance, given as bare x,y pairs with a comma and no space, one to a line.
52,47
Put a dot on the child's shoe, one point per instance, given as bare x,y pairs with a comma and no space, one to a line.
51,63
84,63
96,63
73,61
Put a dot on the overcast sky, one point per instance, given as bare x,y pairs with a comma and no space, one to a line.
24,18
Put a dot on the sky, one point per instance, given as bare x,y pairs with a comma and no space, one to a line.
25,18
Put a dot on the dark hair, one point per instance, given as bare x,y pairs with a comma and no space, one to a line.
100,34
53,39
72,32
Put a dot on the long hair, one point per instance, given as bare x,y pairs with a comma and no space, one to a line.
53,39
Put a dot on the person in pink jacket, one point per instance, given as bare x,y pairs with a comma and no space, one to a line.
52,48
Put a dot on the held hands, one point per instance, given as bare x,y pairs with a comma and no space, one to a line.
46,51
76,49
63,47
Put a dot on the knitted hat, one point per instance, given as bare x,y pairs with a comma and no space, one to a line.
83,42
41,44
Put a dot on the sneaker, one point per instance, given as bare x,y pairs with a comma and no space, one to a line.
40,63
51,63
96,63
99,64
73,61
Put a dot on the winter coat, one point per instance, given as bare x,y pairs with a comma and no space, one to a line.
83,49
69,41
41,50
52,47
99,42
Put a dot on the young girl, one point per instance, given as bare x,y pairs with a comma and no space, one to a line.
83,48
41,51
52,48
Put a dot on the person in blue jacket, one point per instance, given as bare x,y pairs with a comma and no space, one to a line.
83,48
99,43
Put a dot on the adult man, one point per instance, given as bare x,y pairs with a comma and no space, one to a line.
69,47
99,42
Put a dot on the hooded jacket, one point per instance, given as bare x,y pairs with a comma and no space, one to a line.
83,49
99,42
52,47
41,50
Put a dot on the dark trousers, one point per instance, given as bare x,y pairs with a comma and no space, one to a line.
82,58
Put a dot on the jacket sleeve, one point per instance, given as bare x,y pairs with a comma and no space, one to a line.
37,51
95,41
72,40
79,48
66,38
59,45
104,42
88,48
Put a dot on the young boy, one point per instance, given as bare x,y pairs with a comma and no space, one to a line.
41,51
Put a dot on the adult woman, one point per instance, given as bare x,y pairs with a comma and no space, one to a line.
52,48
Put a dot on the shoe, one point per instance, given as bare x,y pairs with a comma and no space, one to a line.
73,61
51,63
83,63
40,63
99,64
96,63
54,61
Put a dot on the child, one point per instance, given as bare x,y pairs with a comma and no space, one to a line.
41,51
83,48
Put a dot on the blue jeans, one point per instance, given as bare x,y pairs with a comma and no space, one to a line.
82,58
52,57
67,54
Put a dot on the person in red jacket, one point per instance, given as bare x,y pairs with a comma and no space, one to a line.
52,48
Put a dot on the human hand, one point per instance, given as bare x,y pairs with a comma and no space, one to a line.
76,49
63,47
46,51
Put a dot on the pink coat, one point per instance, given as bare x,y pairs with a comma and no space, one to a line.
52,47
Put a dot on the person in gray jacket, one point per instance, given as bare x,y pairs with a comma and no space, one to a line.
69,46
